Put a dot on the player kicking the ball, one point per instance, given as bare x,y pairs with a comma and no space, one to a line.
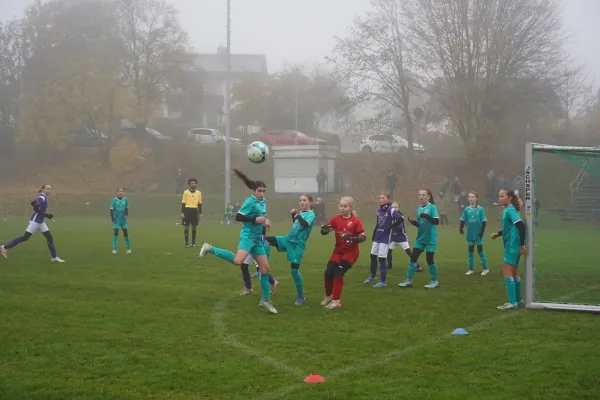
349,232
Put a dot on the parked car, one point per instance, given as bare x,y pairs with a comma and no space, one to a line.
88,138
388,144
289,138
210,136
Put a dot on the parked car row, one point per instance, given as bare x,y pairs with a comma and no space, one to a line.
209,137
388,144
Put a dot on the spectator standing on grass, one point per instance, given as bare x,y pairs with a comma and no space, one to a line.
456,189
321,179
442,205
490,186
444,187
391,181
179,182
519,185
319,209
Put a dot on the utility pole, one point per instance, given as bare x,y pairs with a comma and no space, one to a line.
228,112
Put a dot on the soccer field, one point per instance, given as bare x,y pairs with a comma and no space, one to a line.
163,324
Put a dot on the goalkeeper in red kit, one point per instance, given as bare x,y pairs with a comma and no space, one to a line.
349,232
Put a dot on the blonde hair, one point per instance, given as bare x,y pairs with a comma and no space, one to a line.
350,202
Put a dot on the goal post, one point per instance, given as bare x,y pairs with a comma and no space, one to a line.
562,238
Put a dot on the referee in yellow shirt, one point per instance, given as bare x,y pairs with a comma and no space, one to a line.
191,208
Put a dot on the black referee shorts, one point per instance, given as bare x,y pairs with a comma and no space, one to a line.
190,216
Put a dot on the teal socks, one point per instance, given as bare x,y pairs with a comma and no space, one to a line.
115,240
510,289
471,261
411,270
128,242
265,286
483,260
297,281
433,272
518,296
224,254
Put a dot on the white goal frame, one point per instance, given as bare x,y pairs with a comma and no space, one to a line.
530,300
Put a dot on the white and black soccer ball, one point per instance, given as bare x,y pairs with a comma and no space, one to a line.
258,152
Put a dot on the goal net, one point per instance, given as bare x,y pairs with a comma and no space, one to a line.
562,192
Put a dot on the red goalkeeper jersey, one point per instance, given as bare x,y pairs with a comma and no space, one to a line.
346,226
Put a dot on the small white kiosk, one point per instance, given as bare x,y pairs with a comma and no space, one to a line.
296,168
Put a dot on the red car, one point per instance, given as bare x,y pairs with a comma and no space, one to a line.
282,137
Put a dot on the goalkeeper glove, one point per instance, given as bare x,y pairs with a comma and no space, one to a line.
49,216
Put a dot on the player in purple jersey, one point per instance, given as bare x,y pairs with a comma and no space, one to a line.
36,223
399,237
381,240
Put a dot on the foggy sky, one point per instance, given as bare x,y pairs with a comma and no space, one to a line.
301,31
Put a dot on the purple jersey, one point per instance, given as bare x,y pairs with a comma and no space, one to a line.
383,229
40,208
398,231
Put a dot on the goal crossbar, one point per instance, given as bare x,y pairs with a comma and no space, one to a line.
529,201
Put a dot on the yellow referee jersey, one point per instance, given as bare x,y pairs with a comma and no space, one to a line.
192,199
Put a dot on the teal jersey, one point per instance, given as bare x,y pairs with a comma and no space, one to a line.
427,233
119,207
510,233
299,235
474,219
254,208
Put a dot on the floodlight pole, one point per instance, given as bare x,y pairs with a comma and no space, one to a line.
228,112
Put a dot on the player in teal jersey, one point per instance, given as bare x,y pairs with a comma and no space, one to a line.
426,241
294,244
476,221
119,214
254,215
513,236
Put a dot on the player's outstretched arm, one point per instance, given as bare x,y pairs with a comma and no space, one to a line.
325,229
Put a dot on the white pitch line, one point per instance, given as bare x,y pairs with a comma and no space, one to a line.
219,326
279,393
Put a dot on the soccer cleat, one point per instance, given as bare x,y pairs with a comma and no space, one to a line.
204,249
470,272
247,292
57,259
507,306
406,283
326,300
521,303
114,252
300,301
187,246
256,274
128,251
485,272
194,245
269,306
370,280
4,251
380,285
432,285
274,287
333,304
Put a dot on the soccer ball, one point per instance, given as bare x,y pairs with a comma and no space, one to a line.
257,152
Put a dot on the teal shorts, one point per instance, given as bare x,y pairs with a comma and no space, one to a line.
120,224
255,249
512,258
428,248
294,253
478,242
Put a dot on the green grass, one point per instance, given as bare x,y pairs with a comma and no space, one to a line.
163,324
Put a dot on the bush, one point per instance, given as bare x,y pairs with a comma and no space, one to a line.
127,156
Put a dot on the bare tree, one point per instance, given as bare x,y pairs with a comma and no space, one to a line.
476,52
154,45
574,90
374,64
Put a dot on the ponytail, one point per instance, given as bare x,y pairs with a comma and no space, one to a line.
514,199
42,189
250,184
